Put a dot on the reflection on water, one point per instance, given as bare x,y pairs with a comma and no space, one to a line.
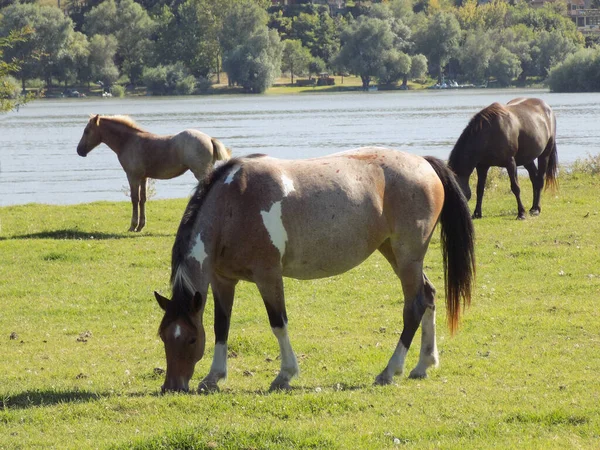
38,161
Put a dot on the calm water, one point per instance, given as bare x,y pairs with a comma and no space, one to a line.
38,160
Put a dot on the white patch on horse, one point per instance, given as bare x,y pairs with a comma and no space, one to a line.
198,252
273,220
177,331
288,185
231,174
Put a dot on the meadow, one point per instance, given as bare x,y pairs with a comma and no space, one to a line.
81,364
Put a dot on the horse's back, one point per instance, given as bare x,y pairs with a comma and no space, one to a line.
320,217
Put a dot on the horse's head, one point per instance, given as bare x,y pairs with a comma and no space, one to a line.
91,136
182,333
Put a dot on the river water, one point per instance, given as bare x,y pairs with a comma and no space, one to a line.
39,163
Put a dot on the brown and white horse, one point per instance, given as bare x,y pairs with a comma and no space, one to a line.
146,155
259,219
508,136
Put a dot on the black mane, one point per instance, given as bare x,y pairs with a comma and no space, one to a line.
181,245
478,122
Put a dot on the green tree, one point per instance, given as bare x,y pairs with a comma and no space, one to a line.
438,38
39,55
73,60
504,66
11,95
101,59
295,58
366,47
551,48
396,65
475,54
255,63
132,27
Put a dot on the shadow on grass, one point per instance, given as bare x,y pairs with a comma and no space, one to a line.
78,235
29,399
49,397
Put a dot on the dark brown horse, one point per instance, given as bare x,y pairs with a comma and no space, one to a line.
508,136
260,219
146,155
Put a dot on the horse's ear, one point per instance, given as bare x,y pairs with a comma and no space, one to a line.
162,301
97,119
197,302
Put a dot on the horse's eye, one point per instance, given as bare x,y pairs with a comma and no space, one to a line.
192,341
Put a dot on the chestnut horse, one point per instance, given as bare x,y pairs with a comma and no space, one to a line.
508,136
259,219
146,155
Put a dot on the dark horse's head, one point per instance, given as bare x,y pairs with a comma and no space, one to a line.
182,333
91,136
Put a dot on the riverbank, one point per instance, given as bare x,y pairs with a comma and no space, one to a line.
283,85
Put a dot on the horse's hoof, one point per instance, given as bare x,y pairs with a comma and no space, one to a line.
417,374
382,380
521,217
207,387
280,386
534,212
476,216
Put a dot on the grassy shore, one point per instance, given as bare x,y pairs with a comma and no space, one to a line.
81,361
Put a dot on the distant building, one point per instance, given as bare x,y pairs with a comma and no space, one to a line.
586,18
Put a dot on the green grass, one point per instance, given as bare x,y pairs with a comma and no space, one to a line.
81,357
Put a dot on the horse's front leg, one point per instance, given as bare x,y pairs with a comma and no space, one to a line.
273,297
511,168
134,187
223,293
482,172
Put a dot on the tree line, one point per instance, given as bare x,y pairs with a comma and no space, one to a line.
182,46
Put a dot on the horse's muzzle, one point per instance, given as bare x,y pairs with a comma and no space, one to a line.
81,152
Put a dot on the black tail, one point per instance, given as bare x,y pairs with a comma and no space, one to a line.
552,169
458,244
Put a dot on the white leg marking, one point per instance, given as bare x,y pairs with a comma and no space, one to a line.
289,364
395,365
218,367
273,221
288,185
429,353
232,173
198,252
177,331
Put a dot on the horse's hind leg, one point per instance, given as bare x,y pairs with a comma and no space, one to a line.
511,168
223,292
429,352
271,290
537,187
416,303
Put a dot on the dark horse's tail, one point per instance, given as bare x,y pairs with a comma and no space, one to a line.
457,242
552,168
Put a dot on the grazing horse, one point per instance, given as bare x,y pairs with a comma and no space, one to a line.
508,136
259,219
146,155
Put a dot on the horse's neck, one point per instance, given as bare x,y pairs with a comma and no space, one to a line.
116,135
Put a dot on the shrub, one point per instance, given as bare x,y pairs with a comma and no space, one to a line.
117,90
577,73
169,80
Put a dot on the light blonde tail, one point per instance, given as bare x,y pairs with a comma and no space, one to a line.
220,152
